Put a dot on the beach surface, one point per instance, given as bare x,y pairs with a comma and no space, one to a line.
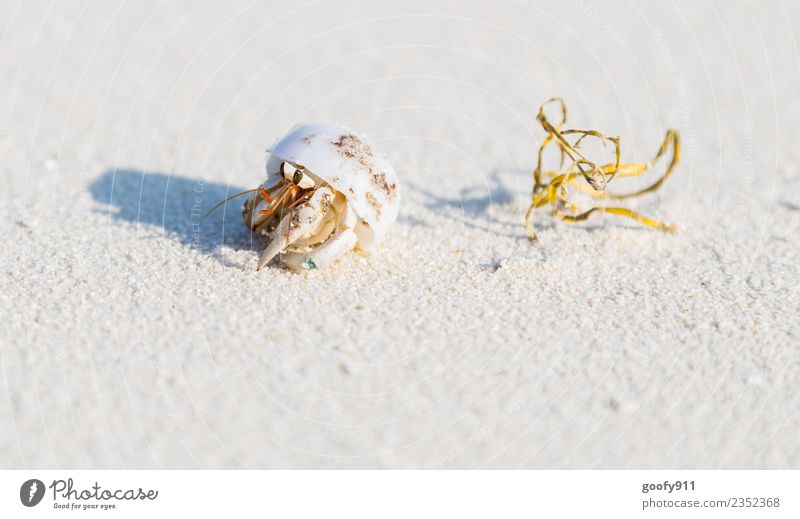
136,333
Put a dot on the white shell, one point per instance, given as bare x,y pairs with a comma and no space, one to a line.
346,161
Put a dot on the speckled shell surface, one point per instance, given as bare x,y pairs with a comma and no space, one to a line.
345,160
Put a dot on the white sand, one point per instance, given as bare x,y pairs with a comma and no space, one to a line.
135,334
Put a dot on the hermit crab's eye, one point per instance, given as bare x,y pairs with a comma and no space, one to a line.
296,175
288,171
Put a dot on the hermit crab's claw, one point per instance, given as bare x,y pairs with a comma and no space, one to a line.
301,221
337,245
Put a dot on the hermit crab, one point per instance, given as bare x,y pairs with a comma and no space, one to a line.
327,192
550,188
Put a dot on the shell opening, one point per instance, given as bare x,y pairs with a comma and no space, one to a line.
297,175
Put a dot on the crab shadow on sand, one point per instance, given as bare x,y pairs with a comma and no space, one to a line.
178,205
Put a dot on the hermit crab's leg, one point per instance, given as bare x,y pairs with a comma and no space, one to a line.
264,209
300,221
322,255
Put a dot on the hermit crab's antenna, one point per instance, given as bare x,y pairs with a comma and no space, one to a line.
553,191
218,204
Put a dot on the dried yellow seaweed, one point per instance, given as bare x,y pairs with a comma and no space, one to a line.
553,190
